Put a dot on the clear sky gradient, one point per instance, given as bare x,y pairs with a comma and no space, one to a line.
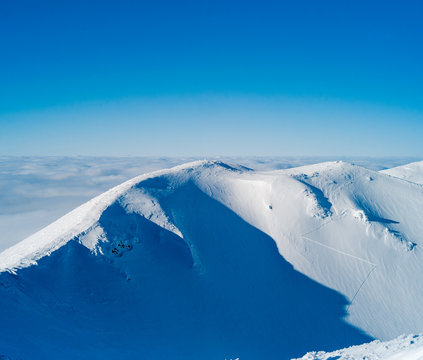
211,77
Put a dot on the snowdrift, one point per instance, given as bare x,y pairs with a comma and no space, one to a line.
408,347
218,261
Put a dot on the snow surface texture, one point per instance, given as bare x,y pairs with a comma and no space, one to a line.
402,348
411,172
35,191
187,258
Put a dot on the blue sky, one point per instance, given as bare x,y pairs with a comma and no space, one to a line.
211,78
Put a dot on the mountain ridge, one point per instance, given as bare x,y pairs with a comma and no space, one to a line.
352,230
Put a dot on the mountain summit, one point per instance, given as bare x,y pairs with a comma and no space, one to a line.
211,260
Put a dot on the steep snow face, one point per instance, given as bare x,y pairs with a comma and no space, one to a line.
411,172
163,271
187,256
349,228
402,348
367,248
82,220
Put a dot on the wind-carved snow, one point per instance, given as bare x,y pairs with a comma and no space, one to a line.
92,237
350,229
320,205
140,202
408,347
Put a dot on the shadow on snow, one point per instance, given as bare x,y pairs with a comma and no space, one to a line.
222,292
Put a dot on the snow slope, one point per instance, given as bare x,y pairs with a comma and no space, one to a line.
402,348
411,172
35,191
186,257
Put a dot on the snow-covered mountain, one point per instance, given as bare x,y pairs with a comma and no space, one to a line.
186,263
35,191
411,172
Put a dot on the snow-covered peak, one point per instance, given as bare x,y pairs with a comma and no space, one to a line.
85,217
411,172
351,229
